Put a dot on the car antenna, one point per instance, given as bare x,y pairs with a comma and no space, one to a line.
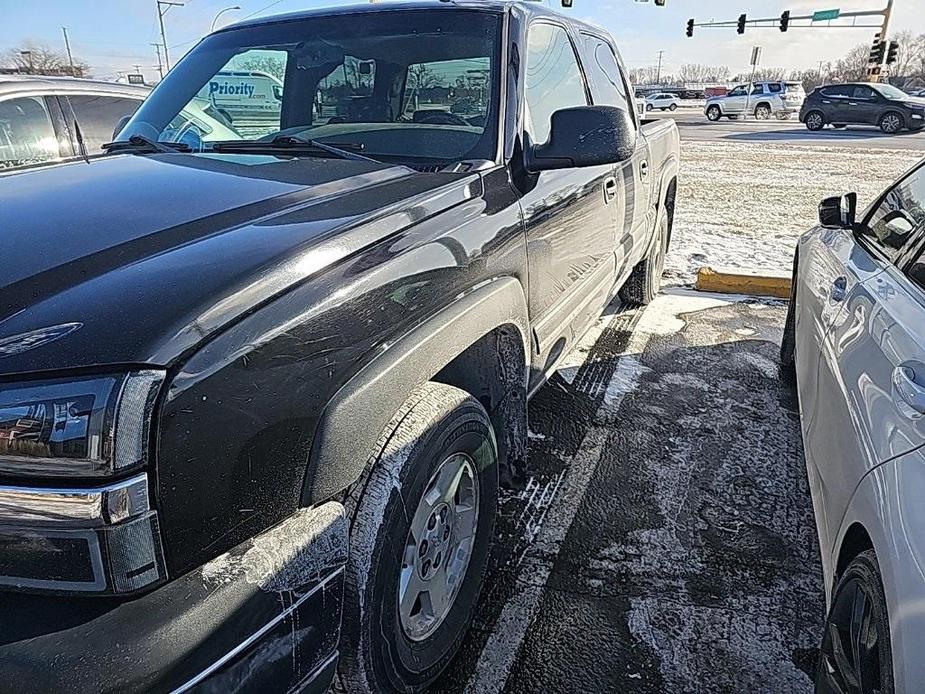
80,142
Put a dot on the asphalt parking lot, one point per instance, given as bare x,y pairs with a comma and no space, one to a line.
661,538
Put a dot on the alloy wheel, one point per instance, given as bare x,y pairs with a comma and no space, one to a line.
851,644
763,113
814,121
438,547
891,123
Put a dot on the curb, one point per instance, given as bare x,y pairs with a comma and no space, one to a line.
710,280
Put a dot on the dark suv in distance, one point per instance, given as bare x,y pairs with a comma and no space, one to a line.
883,105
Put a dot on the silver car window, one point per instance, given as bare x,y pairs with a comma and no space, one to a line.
27,135
900,213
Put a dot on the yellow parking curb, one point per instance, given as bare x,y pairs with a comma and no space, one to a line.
710,280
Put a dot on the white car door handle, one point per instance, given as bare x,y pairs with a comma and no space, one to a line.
910,393
643,168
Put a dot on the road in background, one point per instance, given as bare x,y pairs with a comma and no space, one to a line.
660,538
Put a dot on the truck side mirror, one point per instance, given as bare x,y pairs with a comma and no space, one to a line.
585,136
839,212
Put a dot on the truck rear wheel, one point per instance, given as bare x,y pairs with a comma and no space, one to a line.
422,528
646,279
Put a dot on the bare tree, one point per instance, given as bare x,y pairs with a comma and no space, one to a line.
421,77
764,74
853,67
695,73
911,57
267,64
32,58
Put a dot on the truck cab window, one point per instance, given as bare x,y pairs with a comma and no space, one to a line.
27,135
607,84
554,80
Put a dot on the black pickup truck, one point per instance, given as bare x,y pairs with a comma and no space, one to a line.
262,359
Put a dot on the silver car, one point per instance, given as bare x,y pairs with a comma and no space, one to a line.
855,342
38,116
759,99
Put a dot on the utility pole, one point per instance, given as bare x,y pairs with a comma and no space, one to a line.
658,73
67,46
160,67
162,7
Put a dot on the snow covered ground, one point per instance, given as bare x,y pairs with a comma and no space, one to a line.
743,205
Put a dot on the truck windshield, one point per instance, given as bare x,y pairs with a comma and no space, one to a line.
407,86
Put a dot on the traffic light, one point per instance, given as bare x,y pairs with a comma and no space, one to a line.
741,27
690,28
785,21
892,54
877,51
659,3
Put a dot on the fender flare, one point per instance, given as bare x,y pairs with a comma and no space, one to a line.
353,420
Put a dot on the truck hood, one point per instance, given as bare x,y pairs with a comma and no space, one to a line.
134,259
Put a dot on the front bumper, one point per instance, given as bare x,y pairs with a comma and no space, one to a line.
263,617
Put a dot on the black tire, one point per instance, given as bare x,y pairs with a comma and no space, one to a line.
436,422
673,107
714,113
892,123
763,112
649,107
874,668
815,120
644,283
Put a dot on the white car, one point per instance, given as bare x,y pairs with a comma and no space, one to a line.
662,102
855,342
759,99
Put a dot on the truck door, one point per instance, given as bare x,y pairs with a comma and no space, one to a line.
568,213
609,87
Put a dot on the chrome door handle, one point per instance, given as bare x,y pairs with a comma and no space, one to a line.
644,168
838,289
610,189
852,103
911,394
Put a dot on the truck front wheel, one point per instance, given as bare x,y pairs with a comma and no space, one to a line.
422,528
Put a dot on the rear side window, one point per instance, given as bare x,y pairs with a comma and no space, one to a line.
98,117
898,215
758,89
842,90
774,88
863,93
608,86
27,135
554,79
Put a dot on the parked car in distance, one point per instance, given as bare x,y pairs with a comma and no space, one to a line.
762,100
855,343
662,102
255,392
38,117
882,105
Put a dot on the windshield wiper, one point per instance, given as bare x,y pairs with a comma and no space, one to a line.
142,145
295,145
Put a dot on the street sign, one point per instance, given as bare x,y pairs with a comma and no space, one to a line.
756,56
826,15
136,78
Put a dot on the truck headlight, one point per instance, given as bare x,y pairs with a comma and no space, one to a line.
84,427
74,536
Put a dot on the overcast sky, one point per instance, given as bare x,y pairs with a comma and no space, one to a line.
114,35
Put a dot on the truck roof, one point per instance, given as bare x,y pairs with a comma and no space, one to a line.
532,9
